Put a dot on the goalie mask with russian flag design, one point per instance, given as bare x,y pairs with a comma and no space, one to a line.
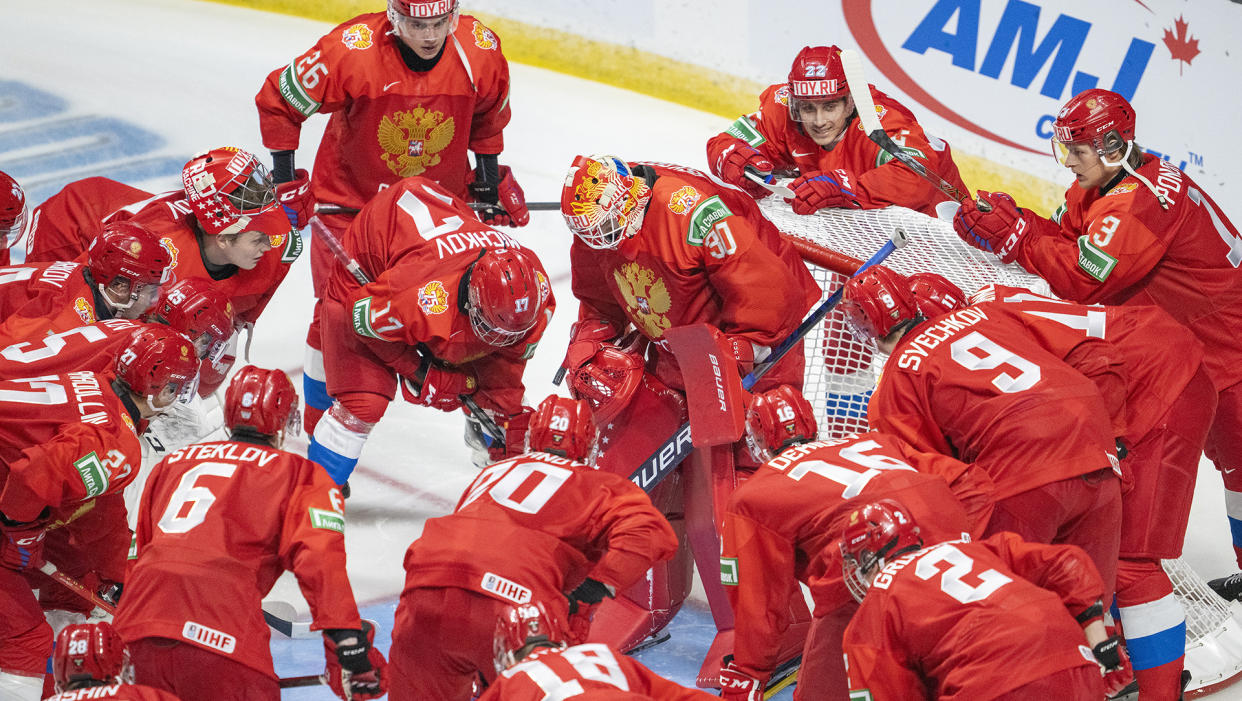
603,201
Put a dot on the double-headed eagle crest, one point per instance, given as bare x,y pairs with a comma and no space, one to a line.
646,298
412,140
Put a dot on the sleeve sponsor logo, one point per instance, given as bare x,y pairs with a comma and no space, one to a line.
1056,216
293,246
133,547
1093,260
433,298
884,156
94,476
483,37
530,350
684,200
327,520
291,89
862,694
706,216
357,37
728,571
362,318
209,637
745,130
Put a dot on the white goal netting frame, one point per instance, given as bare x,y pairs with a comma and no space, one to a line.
841,373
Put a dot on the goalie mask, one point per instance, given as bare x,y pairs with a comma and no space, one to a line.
505,296
13,212
522,629
935,294
565,427
603,201
227,187
778,419
201,311
877,302
89,652
262,401
158,364
875,535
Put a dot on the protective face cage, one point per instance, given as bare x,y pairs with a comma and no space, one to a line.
256,194
11,234
488,332
802,110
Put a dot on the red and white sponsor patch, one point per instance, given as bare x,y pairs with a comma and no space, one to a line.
815,88
505,588
426,9
209,637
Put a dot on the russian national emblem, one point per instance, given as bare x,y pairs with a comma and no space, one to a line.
684,200
357,36
646,298
483,37
412,140
84,309
433,298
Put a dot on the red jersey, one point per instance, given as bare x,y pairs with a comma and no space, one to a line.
122,692
64,225
72,215
93,348
64,439
976,385
416,242
780,524
855,158
704,254
936,623
1160,356
577,671
389,122
531,528
218,523
40,298
1120,247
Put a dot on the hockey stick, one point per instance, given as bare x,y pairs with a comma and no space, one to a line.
476,206
77,587
669,455
772,187
851,64
308,680
785,676
493,431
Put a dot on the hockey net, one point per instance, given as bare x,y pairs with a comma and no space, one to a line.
841,373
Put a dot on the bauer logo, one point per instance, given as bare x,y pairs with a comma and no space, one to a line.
208,637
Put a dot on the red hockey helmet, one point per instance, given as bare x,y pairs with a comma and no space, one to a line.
564,427
777,419
876,534
816,76
607,381
226,187
263,401
936,294
521,629
201,311
876,302
1099,117
13,214
89,652
506,295
128,250
157,358
603,201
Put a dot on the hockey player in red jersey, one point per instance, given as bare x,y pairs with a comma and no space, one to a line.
408,92
80,444
533,660
1135,230
13,215
91,662
545,527
191,610
119,278
780,523
804,126
995,619
975,384
453,308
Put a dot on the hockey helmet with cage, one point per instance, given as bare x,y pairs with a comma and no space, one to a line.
816,76
263,401
226,187
565,427
522,629
157,358
603,201
1098,117
89,652
777,419
201,311
505,295
936,294
875,535
877,302
13,212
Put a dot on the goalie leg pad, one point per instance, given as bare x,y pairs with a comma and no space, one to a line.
1155,626
338,440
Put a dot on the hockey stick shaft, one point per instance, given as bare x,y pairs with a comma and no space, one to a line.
494,431
678,447
532,206
851,64
77,587
307,680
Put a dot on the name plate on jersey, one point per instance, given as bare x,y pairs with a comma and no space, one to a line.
505,589
209,637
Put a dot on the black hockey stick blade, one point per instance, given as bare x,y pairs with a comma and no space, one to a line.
785,676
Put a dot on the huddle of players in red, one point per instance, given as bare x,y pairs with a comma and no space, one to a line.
1001,507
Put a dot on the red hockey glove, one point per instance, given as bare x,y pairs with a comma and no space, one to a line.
590,592
732,165
21,543
817,190
742,350
738,685
1000,230
515,435
1114,665
355,667
506,195
295,198
439,387
586,336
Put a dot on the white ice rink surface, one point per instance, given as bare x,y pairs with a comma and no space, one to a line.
127,87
